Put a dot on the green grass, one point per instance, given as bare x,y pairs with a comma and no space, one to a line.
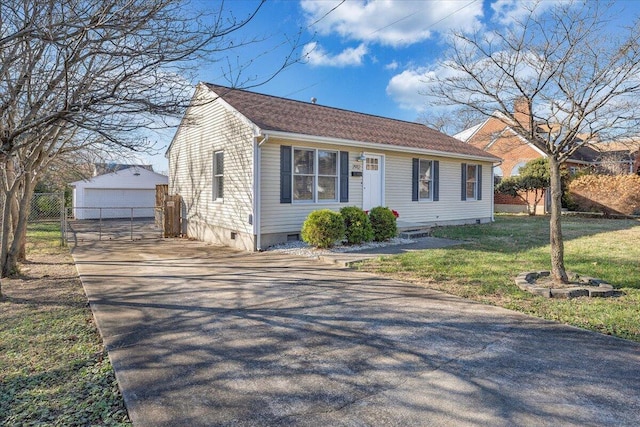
485,267
53,367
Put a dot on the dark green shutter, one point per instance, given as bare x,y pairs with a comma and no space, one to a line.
344,176
463,193
414,180
285,174
435,176
479,197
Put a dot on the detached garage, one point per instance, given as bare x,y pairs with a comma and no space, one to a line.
121,194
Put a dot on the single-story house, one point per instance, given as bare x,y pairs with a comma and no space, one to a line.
250,168
121,194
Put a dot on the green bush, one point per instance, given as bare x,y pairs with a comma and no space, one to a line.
357,225
323,228
383,222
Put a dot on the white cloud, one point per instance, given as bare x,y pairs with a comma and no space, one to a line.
391,23
406,88
392,66
317,56
510,12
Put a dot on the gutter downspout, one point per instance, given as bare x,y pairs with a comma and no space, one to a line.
257,200
493,193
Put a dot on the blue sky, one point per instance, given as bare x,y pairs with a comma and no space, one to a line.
366,56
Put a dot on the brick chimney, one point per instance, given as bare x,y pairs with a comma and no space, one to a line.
522,112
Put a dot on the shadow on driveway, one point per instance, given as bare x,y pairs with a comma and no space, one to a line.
202,335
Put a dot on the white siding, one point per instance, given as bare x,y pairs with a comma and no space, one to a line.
449,208
208,128
288,217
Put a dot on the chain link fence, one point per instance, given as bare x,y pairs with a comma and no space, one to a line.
113,223
106,223
48,208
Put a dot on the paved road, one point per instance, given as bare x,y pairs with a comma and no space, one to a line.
200,335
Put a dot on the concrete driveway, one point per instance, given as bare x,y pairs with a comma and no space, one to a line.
200,335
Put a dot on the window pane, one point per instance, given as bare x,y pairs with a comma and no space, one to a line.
327,188
219,163
327,163
372,164
303,162
424,180
219,187
303,188
471,190
218,170
471,181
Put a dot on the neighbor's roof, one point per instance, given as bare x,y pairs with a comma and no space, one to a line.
271,113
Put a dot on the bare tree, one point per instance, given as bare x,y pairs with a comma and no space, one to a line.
450,121
569,77
81,74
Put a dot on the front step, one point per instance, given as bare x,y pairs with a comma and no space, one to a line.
415,233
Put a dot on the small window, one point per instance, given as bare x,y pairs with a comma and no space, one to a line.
472,182
515,171
372,164
218,175
425,180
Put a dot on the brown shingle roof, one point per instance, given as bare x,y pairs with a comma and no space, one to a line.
271,113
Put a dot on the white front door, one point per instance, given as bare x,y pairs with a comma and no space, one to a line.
372,182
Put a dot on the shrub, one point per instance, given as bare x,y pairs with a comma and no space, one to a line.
323,228
618,194
357,225
383,222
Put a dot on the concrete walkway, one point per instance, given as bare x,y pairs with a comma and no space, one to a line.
344,259
205,336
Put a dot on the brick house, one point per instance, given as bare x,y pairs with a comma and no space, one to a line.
495,136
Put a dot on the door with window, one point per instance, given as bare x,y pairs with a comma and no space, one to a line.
372,182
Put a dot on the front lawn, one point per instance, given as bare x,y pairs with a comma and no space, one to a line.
53,367
484,268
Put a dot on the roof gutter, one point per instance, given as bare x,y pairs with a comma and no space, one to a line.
373,145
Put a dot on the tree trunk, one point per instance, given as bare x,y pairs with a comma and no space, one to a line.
555,229
11,263
14,224
9,193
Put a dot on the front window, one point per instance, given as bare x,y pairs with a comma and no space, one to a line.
472,182
218,175
315,175
425,180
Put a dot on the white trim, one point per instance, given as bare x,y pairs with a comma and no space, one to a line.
287,136
255,194
472,129
492,197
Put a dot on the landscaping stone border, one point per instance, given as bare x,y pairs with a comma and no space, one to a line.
590,286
